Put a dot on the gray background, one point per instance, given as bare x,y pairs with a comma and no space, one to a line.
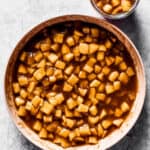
19,16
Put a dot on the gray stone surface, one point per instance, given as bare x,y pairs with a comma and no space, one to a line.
19,16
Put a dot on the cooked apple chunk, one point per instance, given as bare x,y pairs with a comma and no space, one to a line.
83,48
58,38
39,74
82,108
47,108
67,87
73,79
52,57
16,88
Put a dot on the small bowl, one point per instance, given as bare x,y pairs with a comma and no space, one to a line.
117,134
117,16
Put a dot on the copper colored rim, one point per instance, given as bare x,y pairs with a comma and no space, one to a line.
118,134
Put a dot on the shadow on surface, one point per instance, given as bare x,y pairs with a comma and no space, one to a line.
135,139
27,145
131,26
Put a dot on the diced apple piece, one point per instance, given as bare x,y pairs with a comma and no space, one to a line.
82,74
118,112
55,47
103,113
82,108
62,141
37,126
80,100
60,64
118,60
71,103
39,74
107,8
58,113
47,119
113,76
72,135
23,56
38,56
102,48
87,68
45,47
92,93
82,91
52,126
123,66
64,133
16,88
100,56
59,98
58,38
23,93
92,140
106,70
84,130
109,88
91,61
69,70
115,3
101,88
97,69
118,122
73,79
23,81
70,123
67,87
43,133
83,48
106,123
100,130
93,120
41,64
125,107
95,83
22,69
100,96
108,44
19,101
68,57
31,86
65,49
86,30
126,5
100,76
130,72
123,77
70,41
52,57
91,76
117,85
95,32
93,48
47,108
36,101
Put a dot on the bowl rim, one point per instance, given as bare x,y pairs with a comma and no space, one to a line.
30,135
117,16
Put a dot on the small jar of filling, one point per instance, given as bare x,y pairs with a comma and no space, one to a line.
115,9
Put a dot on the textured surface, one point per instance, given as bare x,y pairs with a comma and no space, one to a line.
19,16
